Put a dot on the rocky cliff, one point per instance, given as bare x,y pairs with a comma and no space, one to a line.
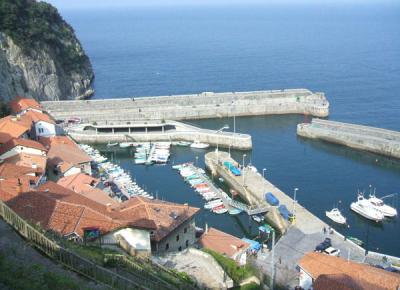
40,55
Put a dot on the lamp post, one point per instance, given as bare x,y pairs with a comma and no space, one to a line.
244,156
294,201
263,174
226,127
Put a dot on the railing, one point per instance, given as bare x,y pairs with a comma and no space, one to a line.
71,260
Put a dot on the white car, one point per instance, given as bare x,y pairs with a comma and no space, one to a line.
331,251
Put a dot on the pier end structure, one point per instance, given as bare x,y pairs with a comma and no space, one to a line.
376,140
192,106
153,131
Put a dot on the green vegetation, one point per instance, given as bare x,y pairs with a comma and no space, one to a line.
32,277
236,272
30,24
251,286
4,109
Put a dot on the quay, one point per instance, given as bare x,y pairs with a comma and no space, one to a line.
192,106
297,238
153,131
381,141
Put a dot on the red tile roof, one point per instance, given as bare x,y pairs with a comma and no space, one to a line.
21,142
28,160
9,170
343,272
11,187
18,104
79,182
71,155
222,242
33,116
11,127
48,141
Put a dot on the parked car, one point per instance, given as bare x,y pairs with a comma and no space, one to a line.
324,245
285,212
271,199
331,251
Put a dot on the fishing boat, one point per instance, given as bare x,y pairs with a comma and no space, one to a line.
198,145
355,240
220,209
182,143
234,211
364,208
336,216
381,206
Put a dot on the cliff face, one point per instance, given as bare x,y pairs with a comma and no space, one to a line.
40,55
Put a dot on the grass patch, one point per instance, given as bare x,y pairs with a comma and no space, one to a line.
236,272
93,253
32,276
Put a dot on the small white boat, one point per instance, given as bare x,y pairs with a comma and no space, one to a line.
182,143
126,144
381,206
257,218
109,144
213,204
364,208
336,216
199,145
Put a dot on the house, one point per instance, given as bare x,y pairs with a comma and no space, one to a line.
319,271
28,160
42,125
10,171
12,127
86,185
225,244
66,158
18,145
20,105
10,188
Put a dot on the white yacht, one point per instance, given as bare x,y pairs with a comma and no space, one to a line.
381,206
198,145
336,216
364,208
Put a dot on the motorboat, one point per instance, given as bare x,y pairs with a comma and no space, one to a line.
213,203
220,209
126,144
198,145
336,216
182,143
109,144
381,206
364,208
234,211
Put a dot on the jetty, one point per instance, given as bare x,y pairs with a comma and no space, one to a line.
192,106
298,237
154,131
377,140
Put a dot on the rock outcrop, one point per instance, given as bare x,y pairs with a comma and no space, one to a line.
40,56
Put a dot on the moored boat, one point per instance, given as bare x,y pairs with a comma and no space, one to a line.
199,145
336,216
364,208
381,206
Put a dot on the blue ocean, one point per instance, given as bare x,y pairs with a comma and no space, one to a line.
350,52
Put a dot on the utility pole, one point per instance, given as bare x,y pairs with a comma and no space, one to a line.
271,287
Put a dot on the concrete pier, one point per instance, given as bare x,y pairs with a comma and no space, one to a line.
152,131
193,106
376,140
298,238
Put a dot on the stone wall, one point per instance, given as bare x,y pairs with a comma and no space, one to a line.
198,106
376,140
179,244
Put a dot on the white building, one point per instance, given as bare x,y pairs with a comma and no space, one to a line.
20,145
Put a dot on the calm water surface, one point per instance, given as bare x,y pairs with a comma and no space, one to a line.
350,53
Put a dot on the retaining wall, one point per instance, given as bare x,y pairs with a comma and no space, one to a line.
194,106
376,140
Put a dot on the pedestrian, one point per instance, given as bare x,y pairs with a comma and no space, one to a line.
280,260
324,229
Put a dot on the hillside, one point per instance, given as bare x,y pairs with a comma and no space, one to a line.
40,55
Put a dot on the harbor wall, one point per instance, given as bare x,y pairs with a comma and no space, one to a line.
183,132
193,106
376,140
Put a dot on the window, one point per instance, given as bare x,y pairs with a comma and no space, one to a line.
177,238
166,246
185,230
187,243
41,130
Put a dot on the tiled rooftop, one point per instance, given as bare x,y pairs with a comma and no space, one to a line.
21,142
19,104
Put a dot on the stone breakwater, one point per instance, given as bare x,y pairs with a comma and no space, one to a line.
151,131
193,106
376,140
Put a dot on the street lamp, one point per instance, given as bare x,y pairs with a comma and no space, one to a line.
226,127
263,171
294,201
244,156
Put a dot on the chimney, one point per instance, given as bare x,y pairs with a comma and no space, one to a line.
108,207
